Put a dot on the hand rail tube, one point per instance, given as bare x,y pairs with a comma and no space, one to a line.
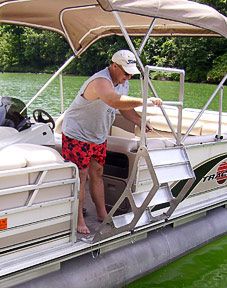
205,107
179,103
220,112
172,103
49,81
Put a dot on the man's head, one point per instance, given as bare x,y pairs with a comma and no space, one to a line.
126,60
123,66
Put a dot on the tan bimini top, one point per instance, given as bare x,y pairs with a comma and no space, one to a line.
83,22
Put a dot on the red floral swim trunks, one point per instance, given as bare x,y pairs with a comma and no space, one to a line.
80,152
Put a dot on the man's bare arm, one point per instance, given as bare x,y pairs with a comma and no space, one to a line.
103,89
132,116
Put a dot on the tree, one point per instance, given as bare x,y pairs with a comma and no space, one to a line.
27,49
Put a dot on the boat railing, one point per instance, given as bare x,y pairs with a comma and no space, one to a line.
220,88
179,104
50,192
58,73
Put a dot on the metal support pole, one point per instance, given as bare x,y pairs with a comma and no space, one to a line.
131,46
144,111
205,107
49,81
61,92
220,111
144,41
180,107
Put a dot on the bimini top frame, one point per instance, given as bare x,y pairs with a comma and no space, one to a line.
83,22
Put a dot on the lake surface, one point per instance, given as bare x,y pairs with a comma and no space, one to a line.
204,268
25,85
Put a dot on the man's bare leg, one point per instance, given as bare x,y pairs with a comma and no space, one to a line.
97,188
81,225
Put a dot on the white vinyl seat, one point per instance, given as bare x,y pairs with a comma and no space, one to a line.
37,189
6,132
38,133
58,124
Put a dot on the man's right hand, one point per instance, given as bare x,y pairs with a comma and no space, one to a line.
154,101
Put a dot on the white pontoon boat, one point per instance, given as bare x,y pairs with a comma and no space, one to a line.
166,190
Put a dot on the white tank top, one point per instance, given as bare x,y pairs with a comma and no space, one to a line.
90,120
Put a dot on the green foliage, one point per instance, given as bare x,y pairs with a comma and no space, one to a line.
33,50
97,56
219,5
43,49
218,70
10,47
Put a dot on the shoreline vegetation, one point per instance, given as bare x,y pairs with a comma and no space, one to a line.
204,59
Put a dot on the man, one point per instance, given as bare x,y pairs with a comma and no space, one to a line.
87,123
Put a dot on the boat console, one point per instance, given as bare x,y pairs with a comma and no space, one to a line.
17,127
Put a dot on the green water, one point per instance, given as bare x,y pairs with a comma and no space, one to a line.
204,268
25,86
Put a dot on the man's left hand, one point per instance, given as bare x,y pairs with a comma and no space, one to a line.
149,127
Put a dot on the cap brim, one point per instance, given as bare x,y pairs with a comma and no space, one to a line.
131,69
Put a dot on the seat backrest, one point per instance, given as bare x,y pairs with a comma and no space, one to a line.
6,132
38,189
58,124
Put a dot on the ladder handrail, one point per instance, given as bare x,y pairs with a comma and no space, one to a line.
220,87
180,139
178,103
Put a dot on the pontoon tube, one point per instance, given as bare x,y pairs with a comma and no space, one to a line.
122,266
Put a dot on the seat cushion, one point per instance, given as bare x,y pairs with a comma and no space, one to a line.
34,154
11,160
6,132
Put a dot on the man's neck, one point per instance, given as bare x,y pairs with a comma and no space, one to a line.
115,83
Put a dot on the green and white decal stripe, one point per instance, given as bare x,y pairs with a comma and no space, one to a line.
200,172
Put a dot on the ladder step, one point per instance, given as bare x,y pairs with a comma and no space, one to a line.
174,172
122,220
167,173
169,164
168,156
164,165
163,195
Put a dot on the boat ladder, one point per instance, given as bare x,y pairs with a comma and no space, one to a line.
148,190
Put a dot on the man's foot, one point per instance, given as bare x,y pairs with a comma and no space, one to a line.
83,229
81,225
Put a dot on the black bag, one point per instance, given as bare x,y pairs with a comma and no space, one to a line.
11,115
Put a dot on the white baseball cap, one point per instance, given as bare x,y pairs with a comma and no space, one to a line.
127,60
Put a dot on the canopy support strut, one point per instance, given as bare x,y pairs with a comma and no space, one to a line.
131,46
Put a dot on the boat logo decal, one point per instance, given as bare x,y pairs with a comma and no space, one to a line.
3,223
220,176
202,176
